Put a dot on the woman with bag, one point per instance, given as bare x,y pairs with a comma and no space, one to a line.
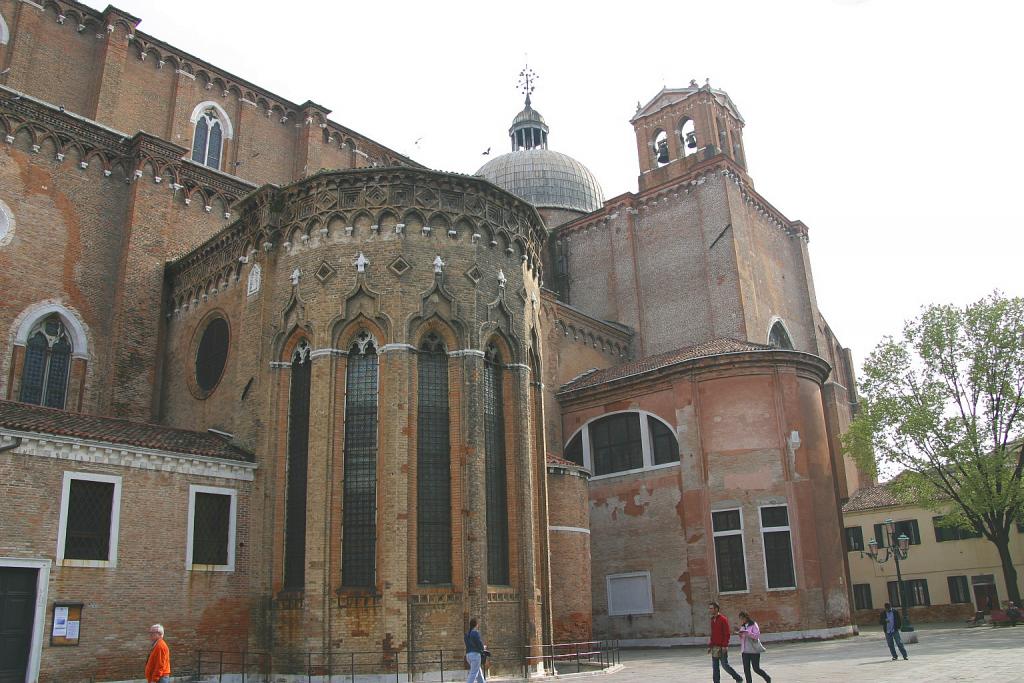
474,653
751,647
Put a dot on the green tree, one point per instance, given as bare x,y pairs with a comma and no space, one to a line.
945,404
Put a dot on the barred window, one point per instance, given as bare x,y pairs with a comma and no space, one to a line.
433,466
862,596
730,558
211,540
89,514
616,443
44,378
209,133
494,466
778,547
358,548
958,591
854,538
298,457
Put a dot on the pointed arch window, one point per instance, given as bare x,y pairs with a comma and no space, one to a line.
358,547
298,458
778,337
208,140
433,466
44,378
494,469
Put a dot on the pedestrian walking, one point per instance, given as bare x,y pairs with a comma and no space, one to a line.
158,666
751,647
718,645
891,622
474,653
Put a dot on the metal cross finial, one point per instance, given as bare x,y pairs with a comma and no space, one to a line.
526,81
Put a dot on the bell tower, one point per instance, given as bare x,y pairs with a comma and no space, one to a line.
681,127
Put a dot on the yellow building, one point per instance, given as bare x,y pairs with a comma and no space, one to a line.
949,573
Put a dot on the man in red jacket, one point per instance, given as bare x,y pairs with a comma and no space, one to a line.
718,645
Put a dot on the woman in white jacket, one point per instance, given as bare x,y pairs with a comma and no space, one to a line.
750,639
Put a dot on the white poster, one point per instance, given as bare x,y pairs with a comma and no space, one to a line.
72,630
60,622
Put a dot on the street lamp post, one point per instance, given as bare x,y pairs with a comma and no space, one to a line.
896,547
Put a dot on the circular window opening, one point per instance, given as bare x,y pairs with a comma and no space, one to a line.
212,354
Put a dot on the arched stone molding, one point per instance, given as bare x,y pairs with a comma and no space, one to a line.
777,320
76,328
444,329
348,331
225,120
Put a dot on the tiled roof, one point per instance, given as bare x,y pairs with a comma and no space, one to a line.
116,431
870,497
650,363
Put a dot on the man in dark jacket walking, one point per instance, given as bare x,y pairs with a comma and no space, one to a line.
718,645
891,622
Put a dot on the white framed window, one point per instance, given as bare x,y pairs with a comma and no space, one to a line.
210,540
211,127
622,442
730,550
629,593
778,547
90,516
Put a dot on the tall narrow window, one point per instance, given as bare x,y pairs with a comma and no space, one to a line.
298,456
778,547
727,528
358,548
206,145
433,466
44,379
494,465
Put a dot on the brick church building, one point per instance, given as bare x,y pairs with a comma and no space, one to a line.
278,387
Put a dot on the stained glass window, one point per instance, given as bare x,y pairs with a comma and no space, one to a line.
433,466
358,549
44,379
494,466
298,454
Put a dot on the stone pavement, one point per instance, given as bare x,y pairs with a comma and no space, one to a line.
946,652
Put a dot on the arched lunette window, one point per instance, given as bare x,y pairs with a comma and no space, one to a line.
778,337
298,459
44,379
494,469
433,466
209,138
359,542
623,442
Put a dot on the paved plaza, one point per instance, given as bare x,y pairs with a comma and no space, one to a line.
946,652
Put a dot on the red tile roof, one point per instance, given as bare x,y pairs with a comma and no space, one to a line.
116,431
870,497
714,347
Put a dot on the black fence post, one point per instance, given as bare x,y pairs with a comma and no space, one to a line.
243,666
220,672
440,654
353,666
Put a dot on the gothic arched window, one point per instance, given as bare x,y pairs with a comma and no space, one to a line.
433,466
494,469
298,458
778,337
358,548
208,139
44,378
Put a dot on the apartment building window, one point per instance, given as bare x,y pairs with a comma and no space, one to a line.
945,533
917,592
89,519
727,529
211,529
854,538
907,526
862,596
778,547
958,589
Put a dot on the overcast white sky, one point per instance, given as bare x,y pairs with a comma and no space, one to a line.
891,127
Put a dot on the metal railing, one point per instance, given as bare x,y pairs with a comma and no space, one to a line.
432,665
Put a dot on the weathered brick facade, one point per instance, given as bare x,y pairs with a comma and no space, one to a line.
307,240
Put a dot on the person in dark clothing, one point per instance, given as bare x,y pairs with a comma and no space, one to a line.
891,622
474,653
718,645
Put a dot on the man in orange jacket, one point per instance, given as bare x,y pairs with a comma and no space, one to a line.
158,667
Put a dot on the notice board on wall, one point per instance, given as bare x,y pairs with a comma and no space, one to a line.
67,623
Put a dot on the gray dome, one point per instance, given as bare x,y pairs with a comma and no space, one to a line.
546,179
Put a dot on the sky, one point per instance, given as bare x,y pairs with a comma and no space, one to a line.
890,127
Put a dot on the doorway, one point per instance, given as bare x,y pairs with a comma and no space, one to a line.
17,619
986,598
